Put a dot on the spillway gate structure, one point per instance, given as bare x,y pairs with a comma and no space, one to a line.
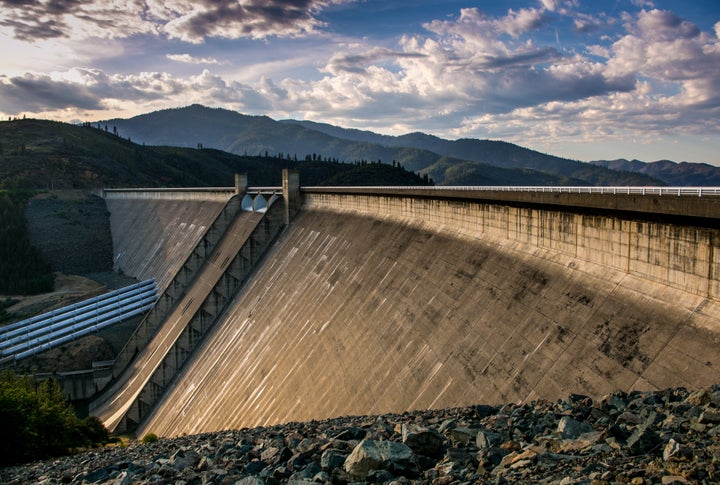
199,292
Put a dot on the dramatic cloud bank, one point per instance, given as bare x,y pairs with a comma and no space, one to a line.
550,74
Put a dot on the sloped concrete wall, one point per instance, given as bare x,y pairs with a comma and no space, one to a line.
383,304
153,234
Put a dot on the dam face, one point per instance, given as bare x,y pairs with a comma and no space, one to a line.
377,303
153,231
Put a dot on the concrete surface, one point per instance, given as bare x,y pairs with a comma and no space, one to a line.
152,236
384,304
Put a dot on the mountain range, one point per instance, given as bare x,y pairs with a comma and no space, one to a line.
447,162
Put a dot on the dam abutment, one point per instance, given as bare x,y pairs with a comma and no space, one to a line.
199,292
234,268
178,286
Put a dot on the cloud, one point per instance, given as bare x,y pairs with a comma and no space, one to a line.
33,20
659,77
654,75
188,59
194,21
663,47
190,21
40,93
357,62
82,91
586,24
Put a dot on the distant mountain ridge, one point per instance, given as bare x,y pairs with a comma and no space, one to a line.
494,152
459,162
672,173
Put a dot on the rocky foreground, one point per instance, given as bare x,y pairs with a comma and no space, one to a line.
662,437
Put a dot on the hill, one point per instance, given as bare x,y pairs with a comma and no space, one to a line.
465,162
40,154
672,173
464,158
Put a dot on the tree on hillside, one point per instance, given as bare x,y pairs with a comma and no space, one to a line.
38,423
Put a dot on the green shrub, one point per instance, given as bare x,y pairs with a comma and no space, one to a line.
38,423
150,438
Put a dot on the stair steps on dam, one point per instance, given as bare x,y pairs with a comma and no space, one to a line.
223,271
178,286
51,329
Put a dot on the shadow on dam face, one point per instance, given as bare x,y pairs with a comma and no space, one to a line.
349,314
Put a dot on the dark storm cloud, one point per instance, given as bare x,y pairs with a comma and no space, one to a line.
188,20
523,59
25,18
36,20
523,88
256,18
40,93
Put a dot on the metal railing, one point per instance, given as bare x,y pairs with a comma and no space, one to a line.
670,191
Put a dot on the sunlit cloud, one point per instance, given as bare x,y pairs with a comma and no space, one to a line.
188,59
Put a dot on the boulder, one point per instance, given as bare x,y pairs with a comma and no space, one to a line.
423,440
371,455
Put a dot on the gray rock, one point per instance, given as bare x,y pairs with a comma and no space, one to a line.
371,455
675,451
250,481
463,435
710,416
332,459
486,439
570,428
423,440
643,439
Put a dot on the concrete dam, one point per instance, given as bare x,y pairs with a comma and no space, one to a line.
298,303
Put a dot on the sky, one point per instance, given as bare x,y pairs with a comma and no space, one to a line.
582,79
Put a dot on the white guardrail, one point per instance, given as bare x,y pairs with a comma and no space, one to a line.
676,191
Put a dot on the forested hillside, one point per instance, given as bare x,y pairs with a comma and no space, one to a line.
38,156
42,155
672,173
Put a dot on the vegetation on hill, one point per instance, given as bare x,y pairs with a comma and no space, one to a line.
38,423
23,270
39,154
